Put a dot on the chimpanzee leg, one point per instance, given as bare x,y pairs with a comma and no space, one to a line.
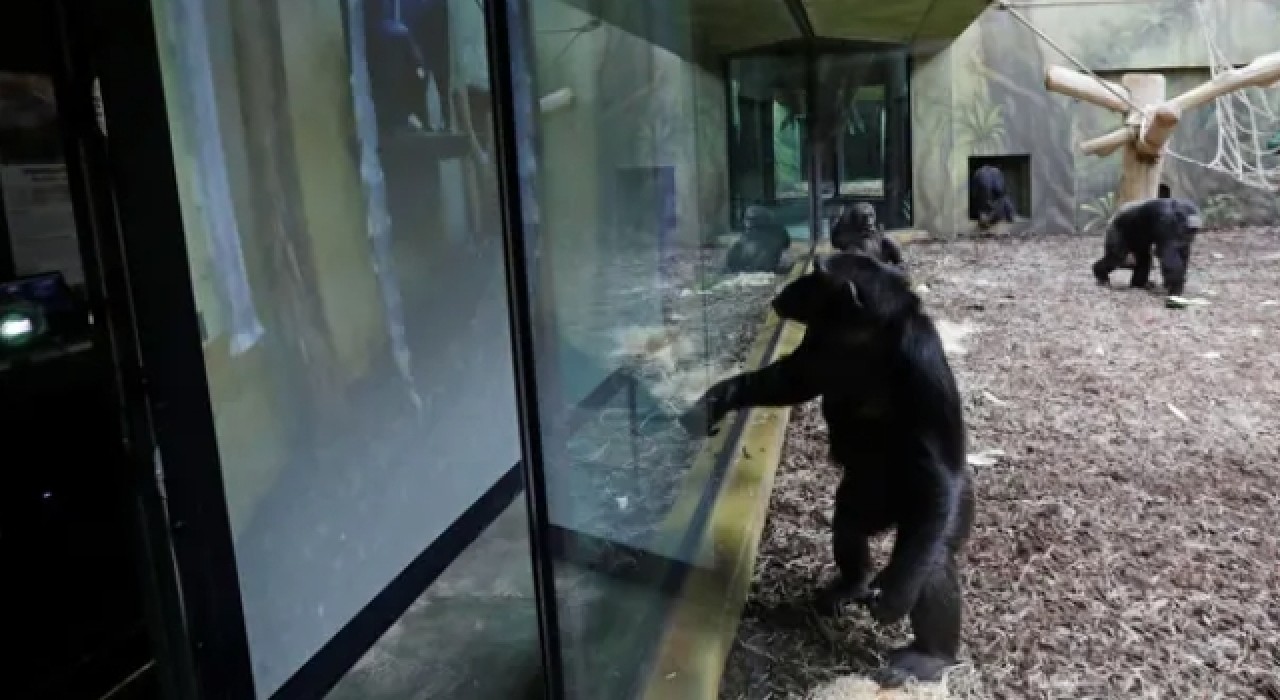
1173,269
1141,269
1112,258
852,554
935,622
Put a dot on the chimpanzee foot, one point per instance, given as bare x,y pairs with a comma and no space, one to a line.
832,598
908,664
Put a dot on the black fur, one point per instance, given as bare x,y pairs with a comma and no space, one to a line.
989,198
896,427
858,231
761,247
1167,225
398,89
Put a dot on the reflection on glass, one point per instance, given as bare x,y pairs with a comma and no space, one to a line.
340,207
851,133
770,132
634,312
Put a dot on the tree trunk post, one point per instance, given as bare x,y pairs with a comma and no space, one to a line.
1140,178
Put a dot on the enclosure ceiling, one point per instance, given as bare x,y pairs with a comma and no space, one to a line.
903,20
727,26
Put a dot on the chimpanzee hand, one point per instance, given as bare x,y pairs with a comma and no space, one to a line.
704,416
889,601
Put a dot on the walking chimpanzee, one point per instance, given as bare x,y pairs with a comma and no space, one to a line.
1169,225
988,197
858,231
761,246
896,426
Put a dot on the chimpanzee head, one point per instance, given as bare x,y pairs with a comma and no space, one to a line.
847,289
1187,215
855,226
757,217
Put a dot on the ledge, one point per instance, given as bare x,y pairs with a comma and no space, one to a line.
705,613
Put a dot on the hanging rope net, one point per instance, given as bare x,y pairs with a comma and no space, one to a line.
1248,119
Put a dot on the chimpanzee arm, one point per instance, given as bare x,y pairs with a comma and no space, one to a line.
890,251
791,380
1173,267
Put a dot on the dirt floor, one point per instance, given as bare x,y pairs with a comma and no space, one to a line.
1127,461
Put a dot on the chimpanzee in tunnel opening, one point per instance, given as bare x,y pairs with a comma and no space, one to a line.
896,427
408,45
761,246
988,197
1167,225
856,230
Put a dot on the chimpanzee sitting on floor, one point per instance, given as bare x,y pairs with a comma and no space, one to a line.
989,198
858,231
761,247
1169,225
896,426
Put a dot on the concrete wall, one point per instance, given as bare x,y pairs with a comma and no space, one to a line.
989,86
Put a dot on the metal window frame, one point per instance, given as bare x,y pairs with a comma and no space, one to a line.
133,202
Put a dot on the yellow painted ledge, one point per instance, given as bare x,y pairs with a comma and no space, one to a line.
699,634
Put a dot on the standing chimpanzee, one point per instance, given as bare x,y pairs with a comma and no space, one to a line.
858,231
1168,225
761,247
988,197
896,426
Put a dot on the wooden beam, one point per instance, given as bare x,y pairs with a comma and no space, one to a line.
1102,93
1155,132
1103,146
1263,72
1140,178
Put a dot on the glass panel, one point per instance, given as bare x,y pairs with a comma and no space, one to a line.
473,634
341,213
635,312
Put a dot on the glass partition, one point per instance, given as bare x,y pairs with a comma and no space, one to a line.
339,195
635,311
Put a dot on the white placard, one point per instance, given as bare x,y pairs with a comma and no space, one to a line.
41,220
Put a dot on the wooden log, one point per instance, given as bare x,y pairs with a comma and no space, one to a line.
1102,93
1155,132
555,101
1103,146
1140,178
1264,71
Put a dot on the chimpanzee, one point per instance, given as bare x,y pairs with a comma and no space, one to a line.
857,230
896,427
988,197
760,248
408,44
1169,225
396,81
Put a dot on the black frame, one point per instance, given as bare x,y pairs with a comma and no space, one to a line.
132,206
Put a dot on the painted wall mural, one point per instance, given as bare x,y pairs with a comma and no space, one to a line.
984,95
